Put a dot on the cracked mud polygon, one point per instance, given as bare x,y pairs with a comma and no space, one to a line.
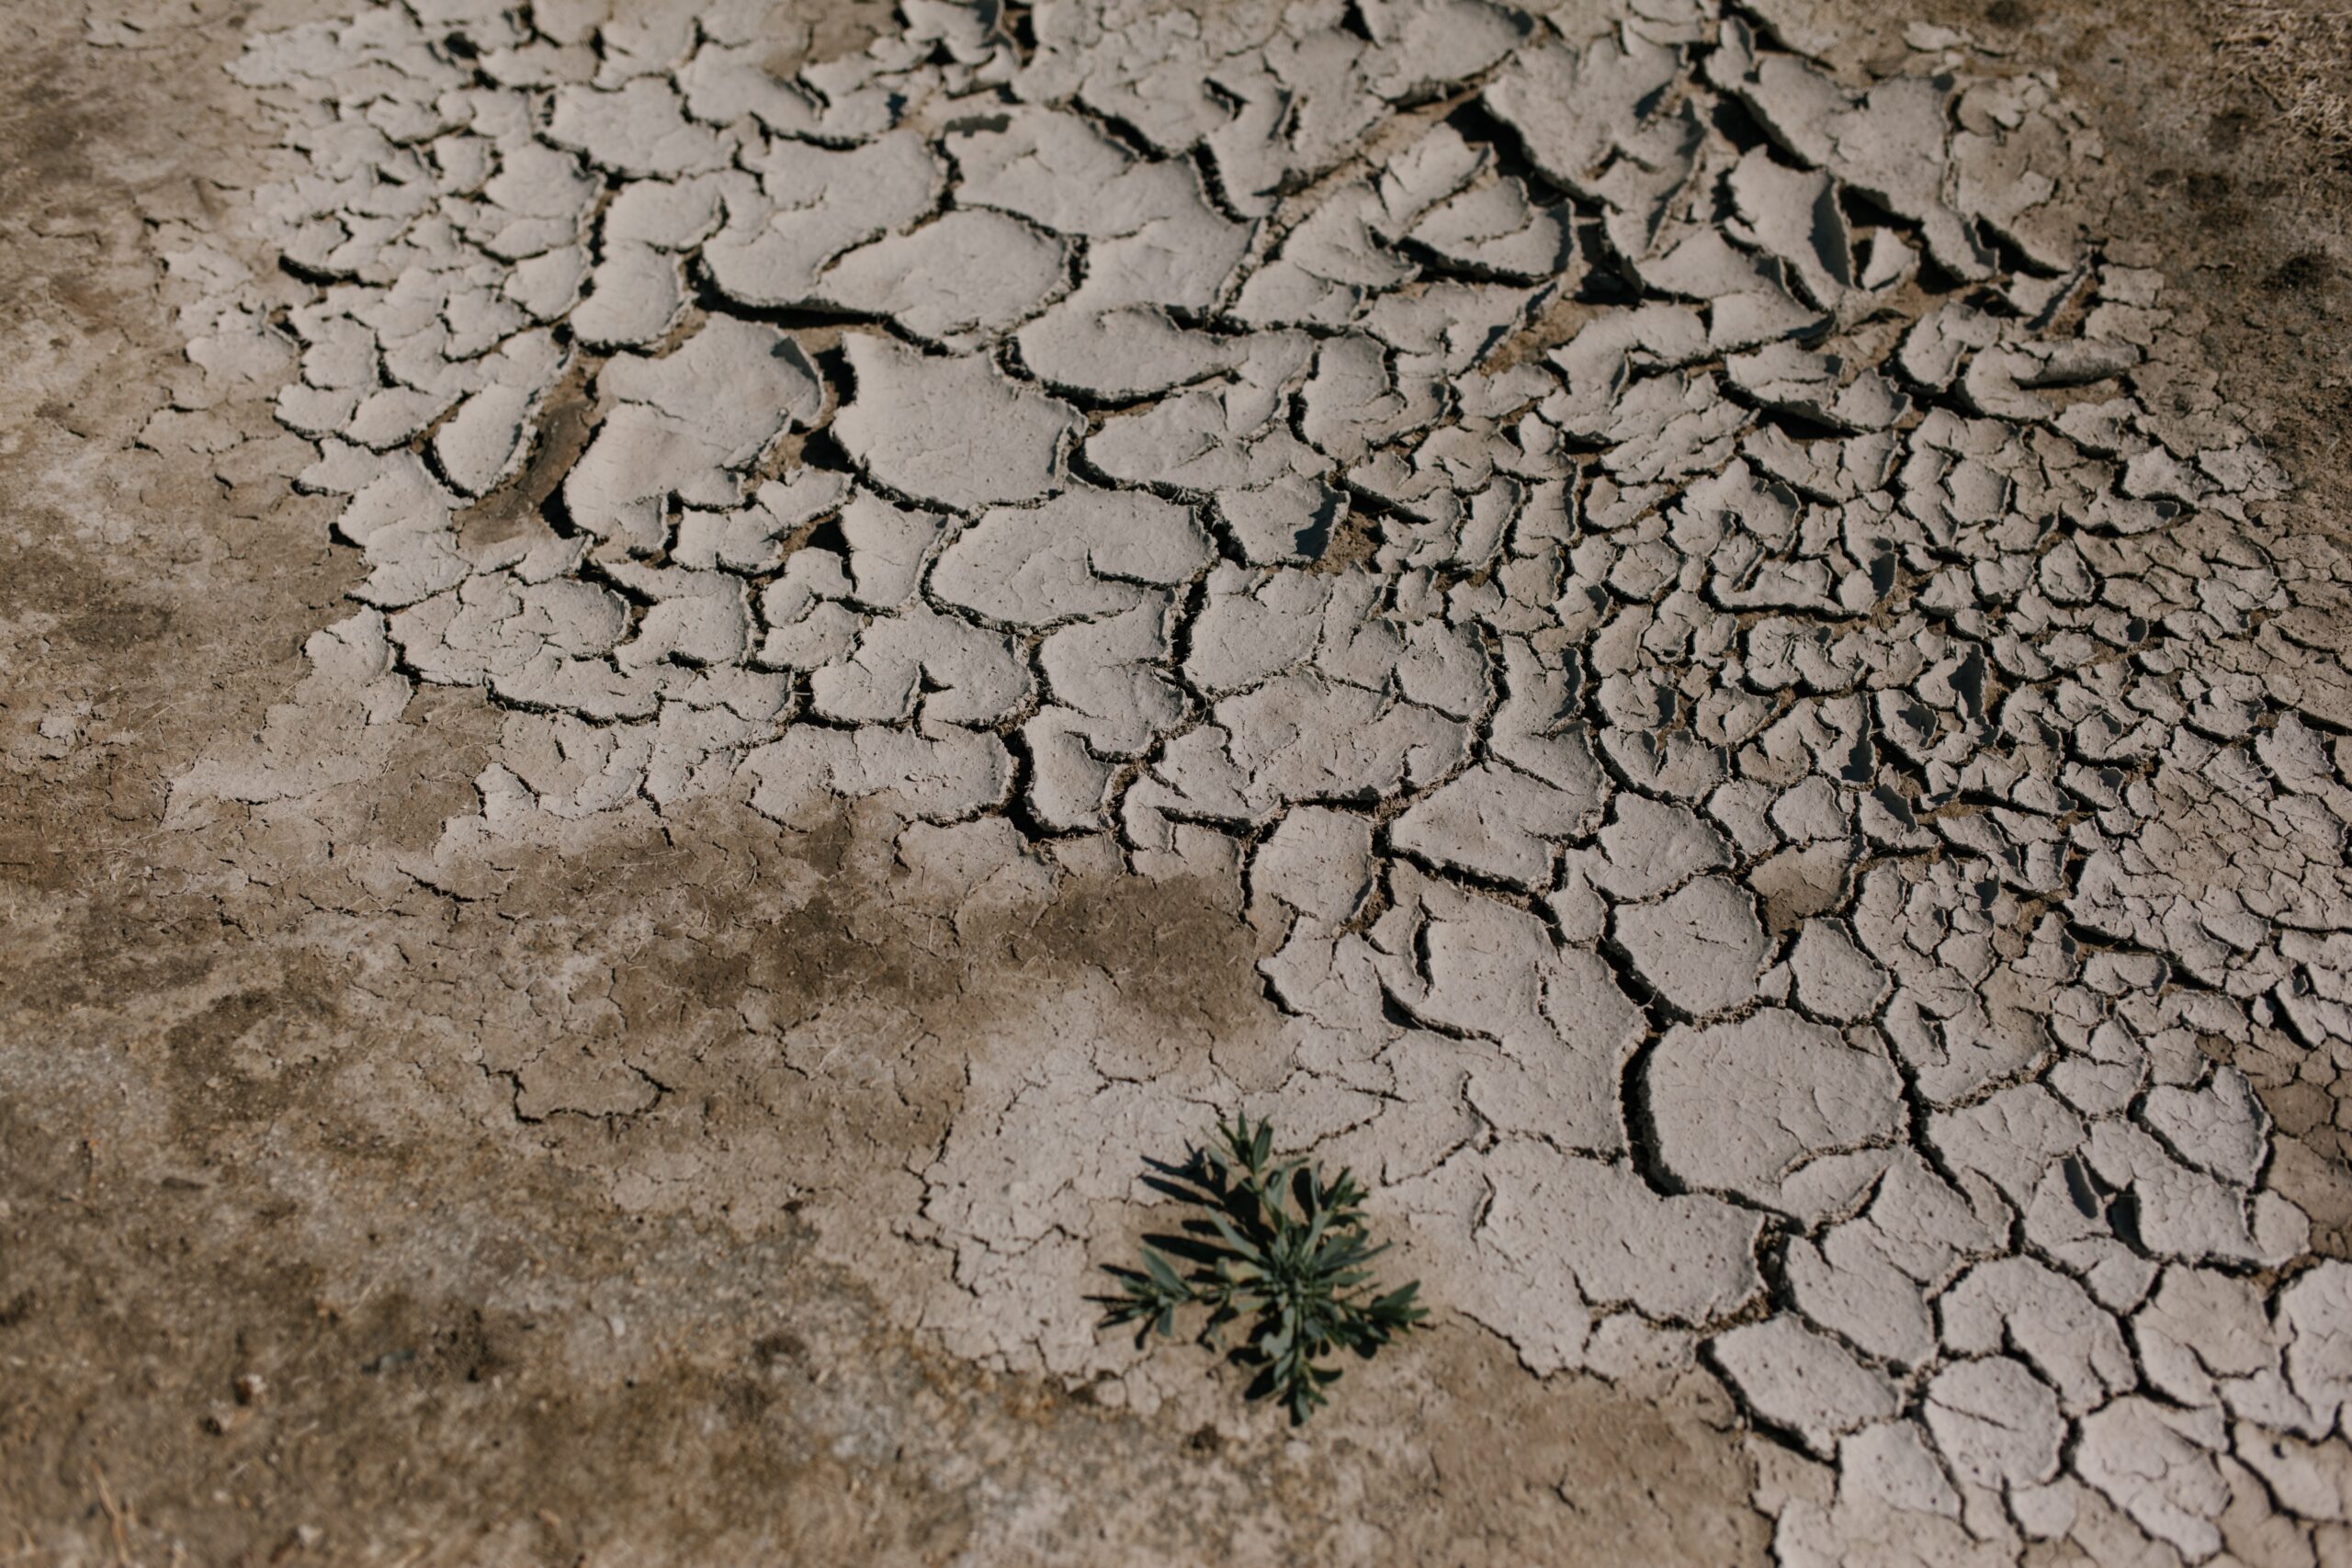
676,676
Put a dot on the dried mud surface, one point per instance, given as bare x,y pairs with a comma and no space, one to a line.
711,1177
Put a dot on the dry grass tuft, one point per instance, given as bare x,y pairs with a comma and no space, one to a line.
2297,53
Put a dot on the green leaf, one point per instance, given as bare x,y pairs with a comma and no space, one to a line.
1161,1274
1243,1248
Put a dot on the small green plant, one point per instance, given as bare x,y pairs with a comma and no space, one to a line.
1277,1249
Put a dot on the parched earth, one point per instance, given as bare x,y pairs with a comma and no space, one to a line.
674,677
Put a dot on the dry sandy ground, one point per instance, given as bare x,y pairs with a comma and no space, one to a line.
365,1199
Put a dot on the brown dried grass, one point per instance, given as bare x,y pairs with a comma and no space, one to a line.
2297,53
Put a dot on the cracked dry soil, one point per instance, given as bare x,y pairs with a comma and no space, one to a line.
673,674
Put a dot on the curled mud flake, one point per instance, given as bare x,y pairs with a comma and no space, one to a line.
1699,947
639,128
1802,1381
1086,552
1494,823
1996,1423
687,426
955,432
960,280
1757,1105
814,204
2156,1464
